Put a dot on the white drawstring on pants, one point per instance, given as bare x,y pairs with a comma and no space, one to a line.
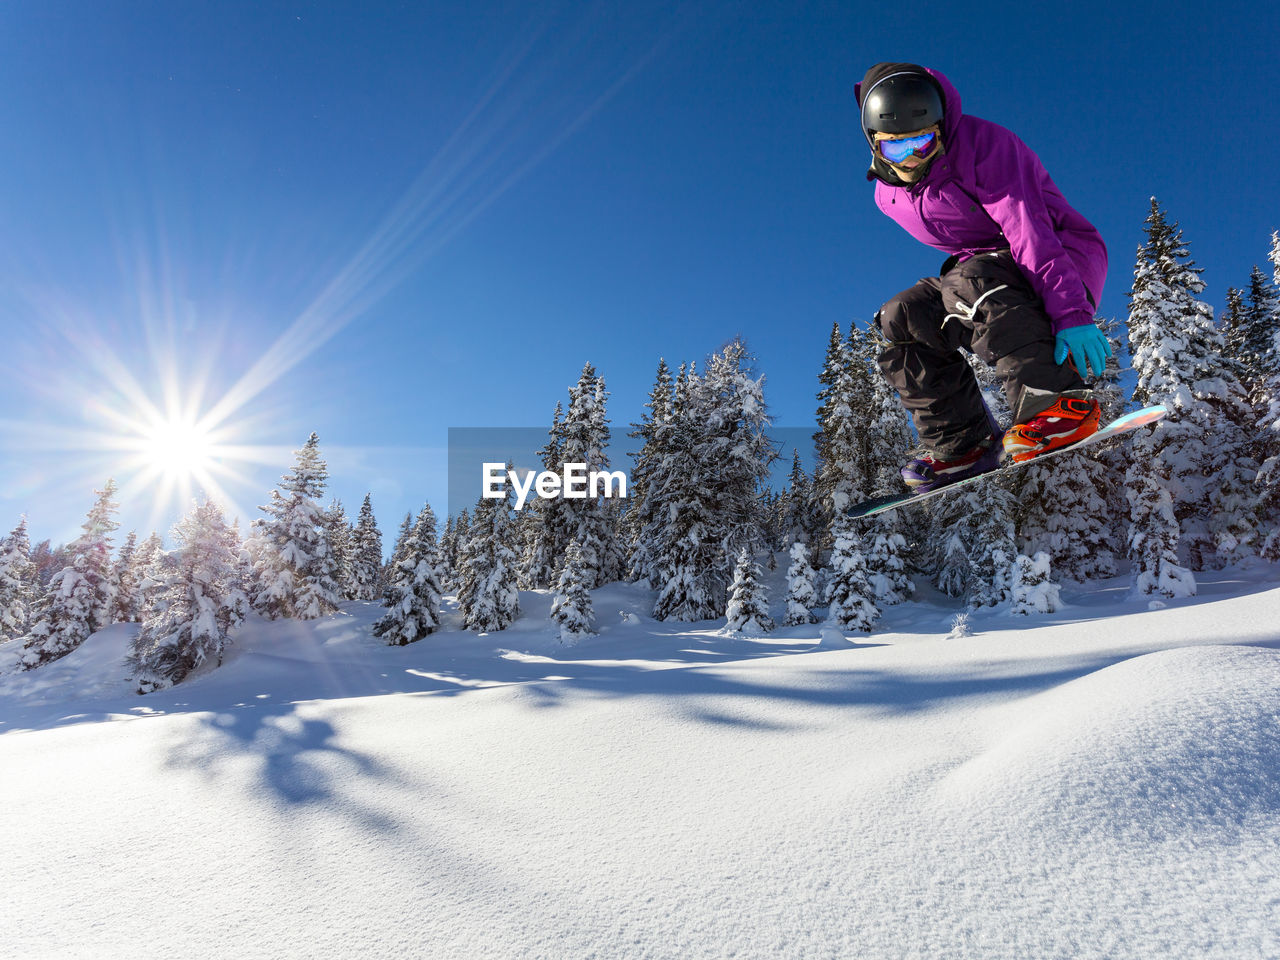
967,312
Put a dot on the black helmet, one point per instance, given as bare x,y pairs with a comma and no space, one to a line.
901,103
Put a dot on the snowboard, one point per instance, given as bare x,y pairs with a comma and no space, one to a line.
1122,425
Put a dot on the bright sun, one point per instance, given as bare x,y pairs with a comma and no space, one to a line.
178,450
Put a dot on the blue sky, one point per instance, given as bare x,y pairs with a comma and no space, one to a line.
381,220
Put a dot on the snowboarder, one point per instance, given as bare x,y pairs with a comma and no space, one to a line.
1019,287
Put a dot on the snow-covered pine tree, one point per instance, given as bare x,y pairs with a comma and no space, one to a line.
527,529
571,605
79,597
1033,590
796,522
446,539
1198,453
95,547
844,473
457,550
1231,320
340,546
1269,428
545,521
836,360
991,560
204,601
1156,475
684,565
401,545
584,437
1250,326
17,582
471,566
426,532
888,433
447,553
886,566
1273,255
133,591
413,593
646,501
127,605
974,532
802,590
618,560
748,609
148,576
734,443
49,560
1065,513
1154,533
768,519
487,595
366,553
293,568
895,541
850,603
835,366
716,457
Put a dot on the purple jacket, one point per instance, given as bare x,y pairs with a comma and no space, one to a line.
989,190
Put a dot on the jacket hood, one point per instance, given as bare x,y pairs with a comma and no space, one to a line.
951,112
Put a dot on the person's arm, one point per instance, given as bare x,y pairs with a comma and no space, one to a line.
1010,187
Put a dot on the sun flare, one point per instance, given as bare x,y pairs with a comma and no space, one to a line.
178,450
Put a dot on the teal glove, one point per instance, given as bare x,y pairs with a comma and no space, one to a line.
1087,346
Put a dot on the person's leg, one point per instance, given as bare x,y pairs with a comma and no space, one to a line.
990,295
923,362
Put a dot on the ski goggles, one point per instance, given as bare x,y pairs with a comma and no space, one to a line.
895,151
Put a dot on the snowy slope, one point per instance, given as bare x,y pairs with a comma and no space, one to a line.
1101,782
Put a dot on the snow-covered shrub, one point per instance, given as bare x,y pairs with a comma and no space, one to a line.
960,626
802,591
748,609
571,606
888,571
1033,591
849,593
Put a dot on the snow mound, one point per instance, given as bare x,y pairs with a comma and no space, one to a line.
92,670
1172,743
833,638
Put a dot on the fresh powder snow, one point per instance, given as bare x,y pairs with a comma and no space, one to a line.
1099,781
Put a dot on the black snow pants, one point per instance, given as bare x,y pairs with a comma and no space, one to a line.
985,305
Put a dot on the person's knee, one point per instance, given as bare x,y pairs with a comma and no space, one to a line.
913,316
892,320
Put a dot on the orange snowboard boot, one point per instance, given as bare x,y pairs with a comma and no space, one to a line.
1068,421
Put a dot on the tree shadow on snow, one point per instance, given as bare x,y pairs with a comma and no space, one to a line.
727,692
299,760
